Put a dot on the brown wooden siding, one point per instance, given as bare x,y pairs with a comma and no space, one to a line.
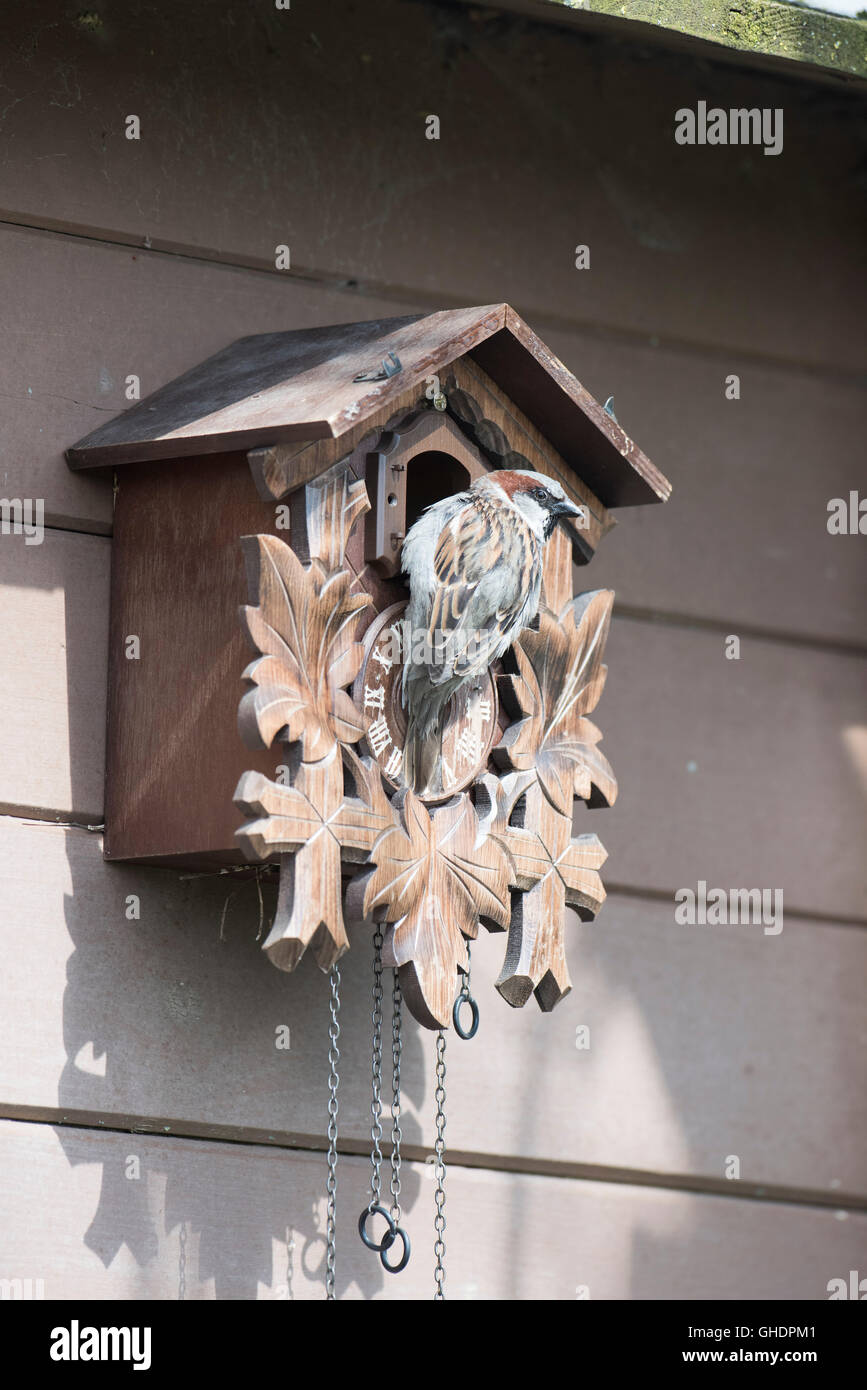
119,257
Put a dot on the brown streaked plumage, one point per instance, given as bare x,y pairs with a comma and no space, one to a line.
474,563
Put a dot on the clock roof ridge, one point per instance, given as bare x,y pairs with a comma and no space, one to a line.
318,383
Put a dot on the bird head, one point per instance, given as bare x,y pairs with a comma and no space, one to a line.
540,500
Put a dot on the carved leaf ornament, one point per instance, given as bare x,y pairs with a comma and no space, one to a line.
435,877
304,627
501,853
561,679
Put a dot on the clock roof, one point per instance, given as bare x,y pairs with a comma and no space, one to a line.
318,383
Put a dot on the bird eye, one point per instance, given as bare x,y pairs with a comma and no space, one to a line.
541,494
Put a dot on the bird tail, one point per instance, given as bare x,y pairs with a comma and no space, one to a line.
424,739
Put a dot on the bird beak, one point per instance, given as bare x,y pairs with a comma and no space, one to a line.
566,510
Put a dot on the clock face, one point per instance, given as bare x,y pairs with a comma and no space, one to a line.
471,718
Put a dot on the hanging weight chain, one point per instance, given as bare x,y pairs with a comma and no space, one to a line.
331,1183
465,997
374,1206
376,1074
396,1133
440,1167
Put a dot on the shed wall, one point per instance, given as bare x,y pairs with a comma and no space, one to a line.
155,1037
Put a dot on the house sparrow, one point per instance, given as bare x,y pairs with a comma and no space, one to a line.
474,564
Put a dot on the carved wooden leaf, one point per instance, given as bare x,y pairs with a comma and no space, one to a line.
285,818
434,879
540,847
309,910
550,869
561,677
303,625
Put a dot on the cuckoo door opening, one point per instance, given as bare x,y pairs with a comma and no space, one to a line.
430,476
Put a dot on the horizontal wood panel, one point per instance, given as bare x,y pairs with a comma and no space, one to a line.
743,538
69,351
704,1042
747,773
54,645
254,1219
547,142
750,771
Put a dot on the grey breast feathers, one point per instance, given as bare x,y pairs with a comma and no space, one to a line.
488,577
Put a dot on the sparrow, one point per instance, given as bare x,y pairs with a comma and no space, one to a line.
474,566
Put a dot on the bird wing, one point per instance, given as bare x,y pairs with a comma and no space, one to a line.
487,568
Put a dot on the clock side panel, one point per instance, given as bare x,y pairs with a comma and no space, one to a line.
174,755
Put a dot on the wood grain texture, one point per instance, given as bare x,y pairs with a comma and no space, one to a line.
254,1221
434,873
310,384
743,539
472,723
501,430
281,387
704,1042
759,730
661,220
529,373
549,758
747,519
178,537
279,469
486,429
387,470
59,380
398,431
53,640
755,768
302,619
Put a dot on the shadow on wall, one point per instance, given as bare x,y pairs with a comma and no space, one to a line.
168,1025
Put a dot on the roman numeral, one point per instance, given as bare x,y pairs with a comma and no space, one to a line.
468,746
392,640
379,735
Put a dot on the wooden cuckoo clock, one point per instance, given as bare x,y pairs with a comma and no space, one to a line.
281,477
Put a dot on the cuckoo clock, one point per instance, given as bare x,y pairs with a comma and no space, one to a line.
278,480
280,477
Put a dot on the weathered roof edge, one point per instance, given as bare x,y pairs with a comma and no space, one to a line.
789,37
316,383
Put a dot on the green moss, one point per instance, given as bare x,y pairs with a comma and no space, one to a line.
783,30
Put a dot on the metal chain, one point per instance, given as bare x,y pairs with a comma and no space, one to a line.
376,1074
396,1133
182,1262
465,981
333,1083
440,1167
465,997
393,1229
290,1262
